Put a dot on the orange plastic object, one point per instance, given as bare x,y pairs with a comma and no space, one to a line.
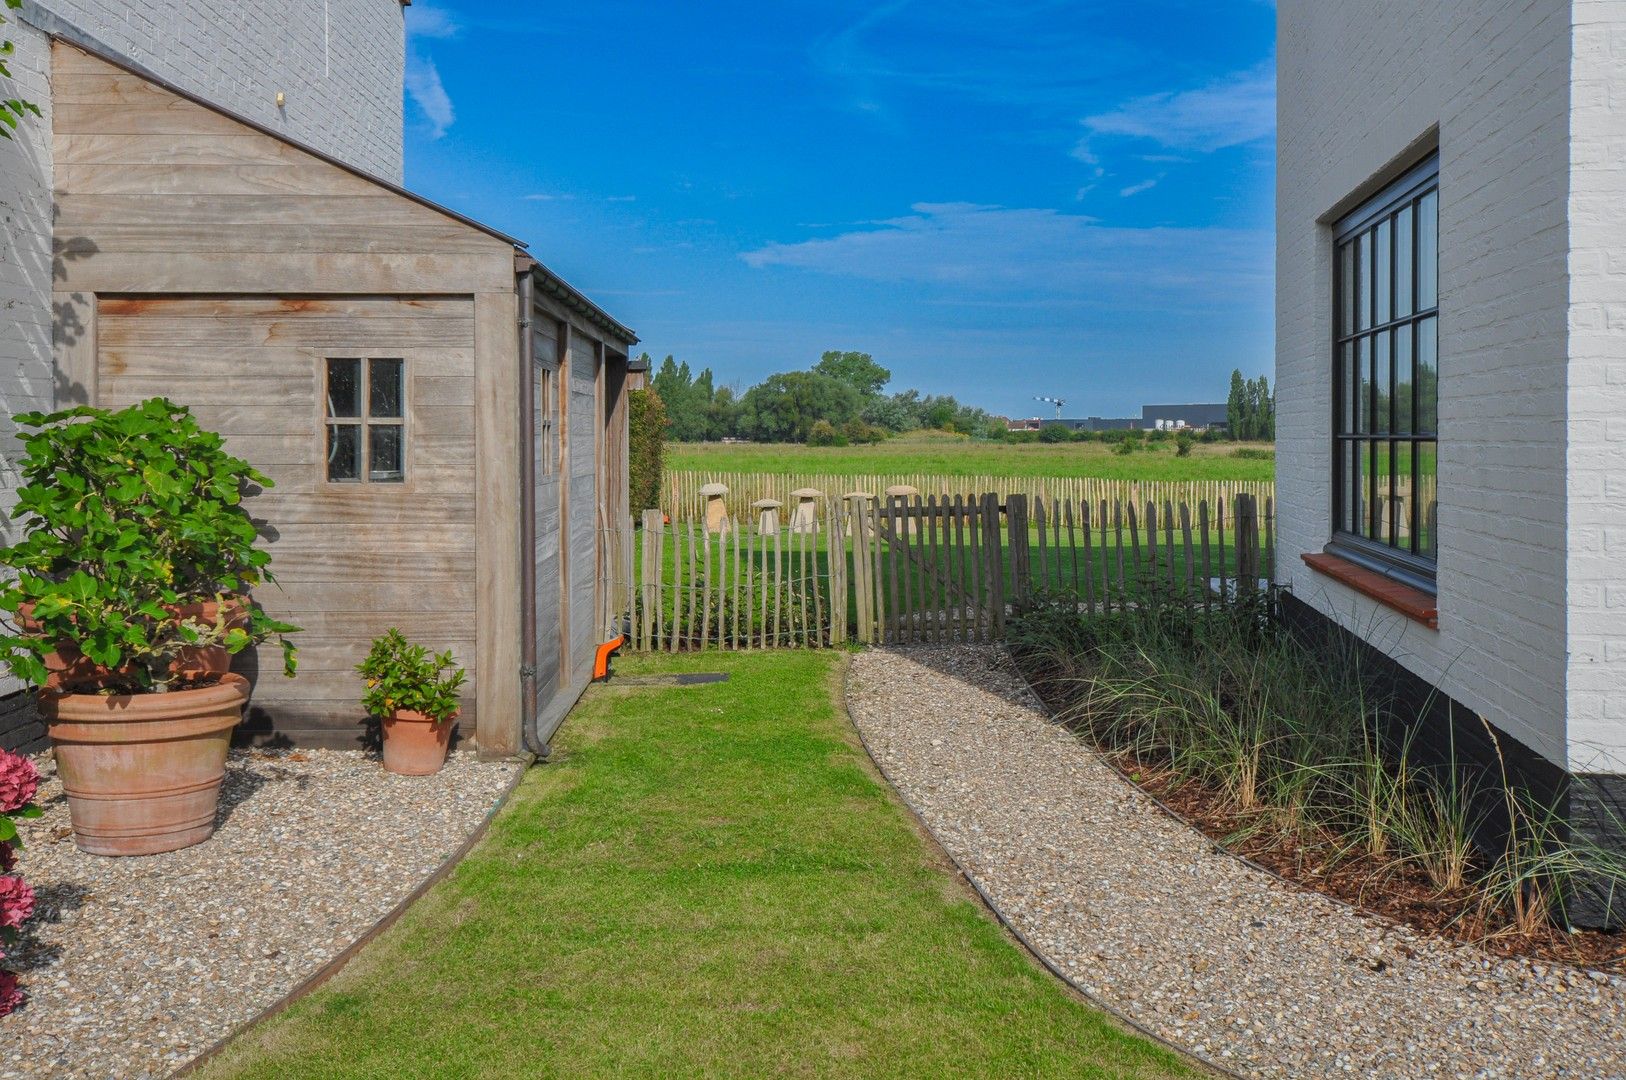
601,666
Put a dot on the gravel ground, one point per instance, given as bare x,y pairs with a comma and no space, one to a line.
134,966
1147,917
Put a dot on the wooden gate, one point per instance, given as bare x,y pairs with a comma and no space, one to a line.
943,573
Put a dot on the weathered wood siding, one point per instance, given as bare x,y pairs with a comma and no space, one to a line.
351,560
581,451
200,258
546,545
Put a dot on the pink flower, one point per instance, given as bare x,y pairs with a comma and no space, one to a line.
18,781
16,902
11,994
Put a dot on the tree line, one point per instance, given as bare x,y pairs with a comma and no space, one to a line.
1250,411
841,400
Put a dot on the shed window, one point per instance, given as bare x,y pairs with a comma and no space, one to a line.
366,420
1385,375
542,407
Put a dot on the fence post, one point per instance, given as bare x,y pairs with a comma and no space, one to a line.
1247,543
649,626
995,566
860,565
1016,526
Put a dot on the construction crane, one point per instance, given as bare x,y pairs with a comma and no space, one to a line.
1059,403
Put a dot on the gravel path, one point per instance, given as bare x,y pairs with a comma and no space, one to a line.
134,966
1147,917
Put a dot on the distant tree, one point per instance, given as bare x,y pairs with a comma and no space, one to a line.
13,111
1055,433
784,407
1264,419
822,433
857,369
722,413
691,403
858,432
1183,440
896,413
1236,406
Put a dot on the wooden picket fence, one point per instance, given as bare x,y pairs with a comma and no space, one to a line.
934,569
681,497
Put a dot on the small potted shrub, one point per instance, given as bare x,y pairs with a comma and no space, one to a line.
130,599
414,696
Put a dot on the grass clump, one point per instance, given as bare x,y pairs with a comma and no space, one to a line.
1288,751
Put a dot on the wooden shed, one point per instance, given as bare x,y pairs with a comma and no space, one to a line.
444,418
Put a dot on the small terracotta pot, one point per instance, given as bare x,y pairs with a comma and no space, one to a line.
67,666
143,771
414,744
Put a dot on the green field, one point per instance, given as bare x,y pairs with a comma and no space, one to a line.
952,456
706,881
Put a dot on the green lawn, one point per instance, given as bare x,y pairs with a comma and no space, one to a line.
947,456
707,881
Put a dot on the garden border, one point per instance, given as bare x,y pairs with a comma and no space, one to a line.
1297,886
321,975
1190,1056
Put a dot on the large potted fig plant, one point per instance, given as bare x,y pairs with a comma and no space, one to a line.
131,596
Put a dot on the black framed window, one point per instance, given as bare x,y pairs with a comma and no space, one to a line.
1386,375
366,420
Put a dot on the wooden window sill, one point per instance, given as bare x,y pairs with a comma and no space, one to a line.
1415,604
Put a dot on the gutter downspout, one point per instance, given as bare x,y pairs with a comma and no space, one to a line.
527,507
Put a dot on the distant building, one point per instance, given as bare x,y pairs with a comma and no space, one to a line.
1184,416
1152,417
1090,423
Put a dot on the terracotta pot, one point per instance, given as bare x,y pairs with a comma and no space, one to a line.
209,659
414,744
143,771
67,666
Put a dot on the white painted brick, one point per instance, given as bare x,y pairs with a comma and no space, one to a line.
339,63
1360,82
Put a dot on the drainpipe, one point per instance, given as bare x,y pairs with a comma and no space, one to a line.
527,505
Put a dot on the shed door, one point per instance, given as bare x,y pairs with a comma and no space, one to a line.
546,407
582,568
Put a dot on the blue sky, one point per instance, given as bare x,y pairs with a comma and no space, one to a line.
998,200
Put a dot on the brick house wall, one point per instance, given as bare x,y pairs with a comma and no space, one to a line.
1364,87
338,63
1596,475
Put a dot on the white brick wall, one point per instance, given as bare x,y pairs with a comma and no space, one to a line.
1363,84
25,259
338,62
26,371
1597,389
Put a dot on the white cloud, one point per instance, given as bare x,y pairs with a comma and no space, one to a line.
1238,109
1136,189
429,94
543,196
1040,253
423,21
